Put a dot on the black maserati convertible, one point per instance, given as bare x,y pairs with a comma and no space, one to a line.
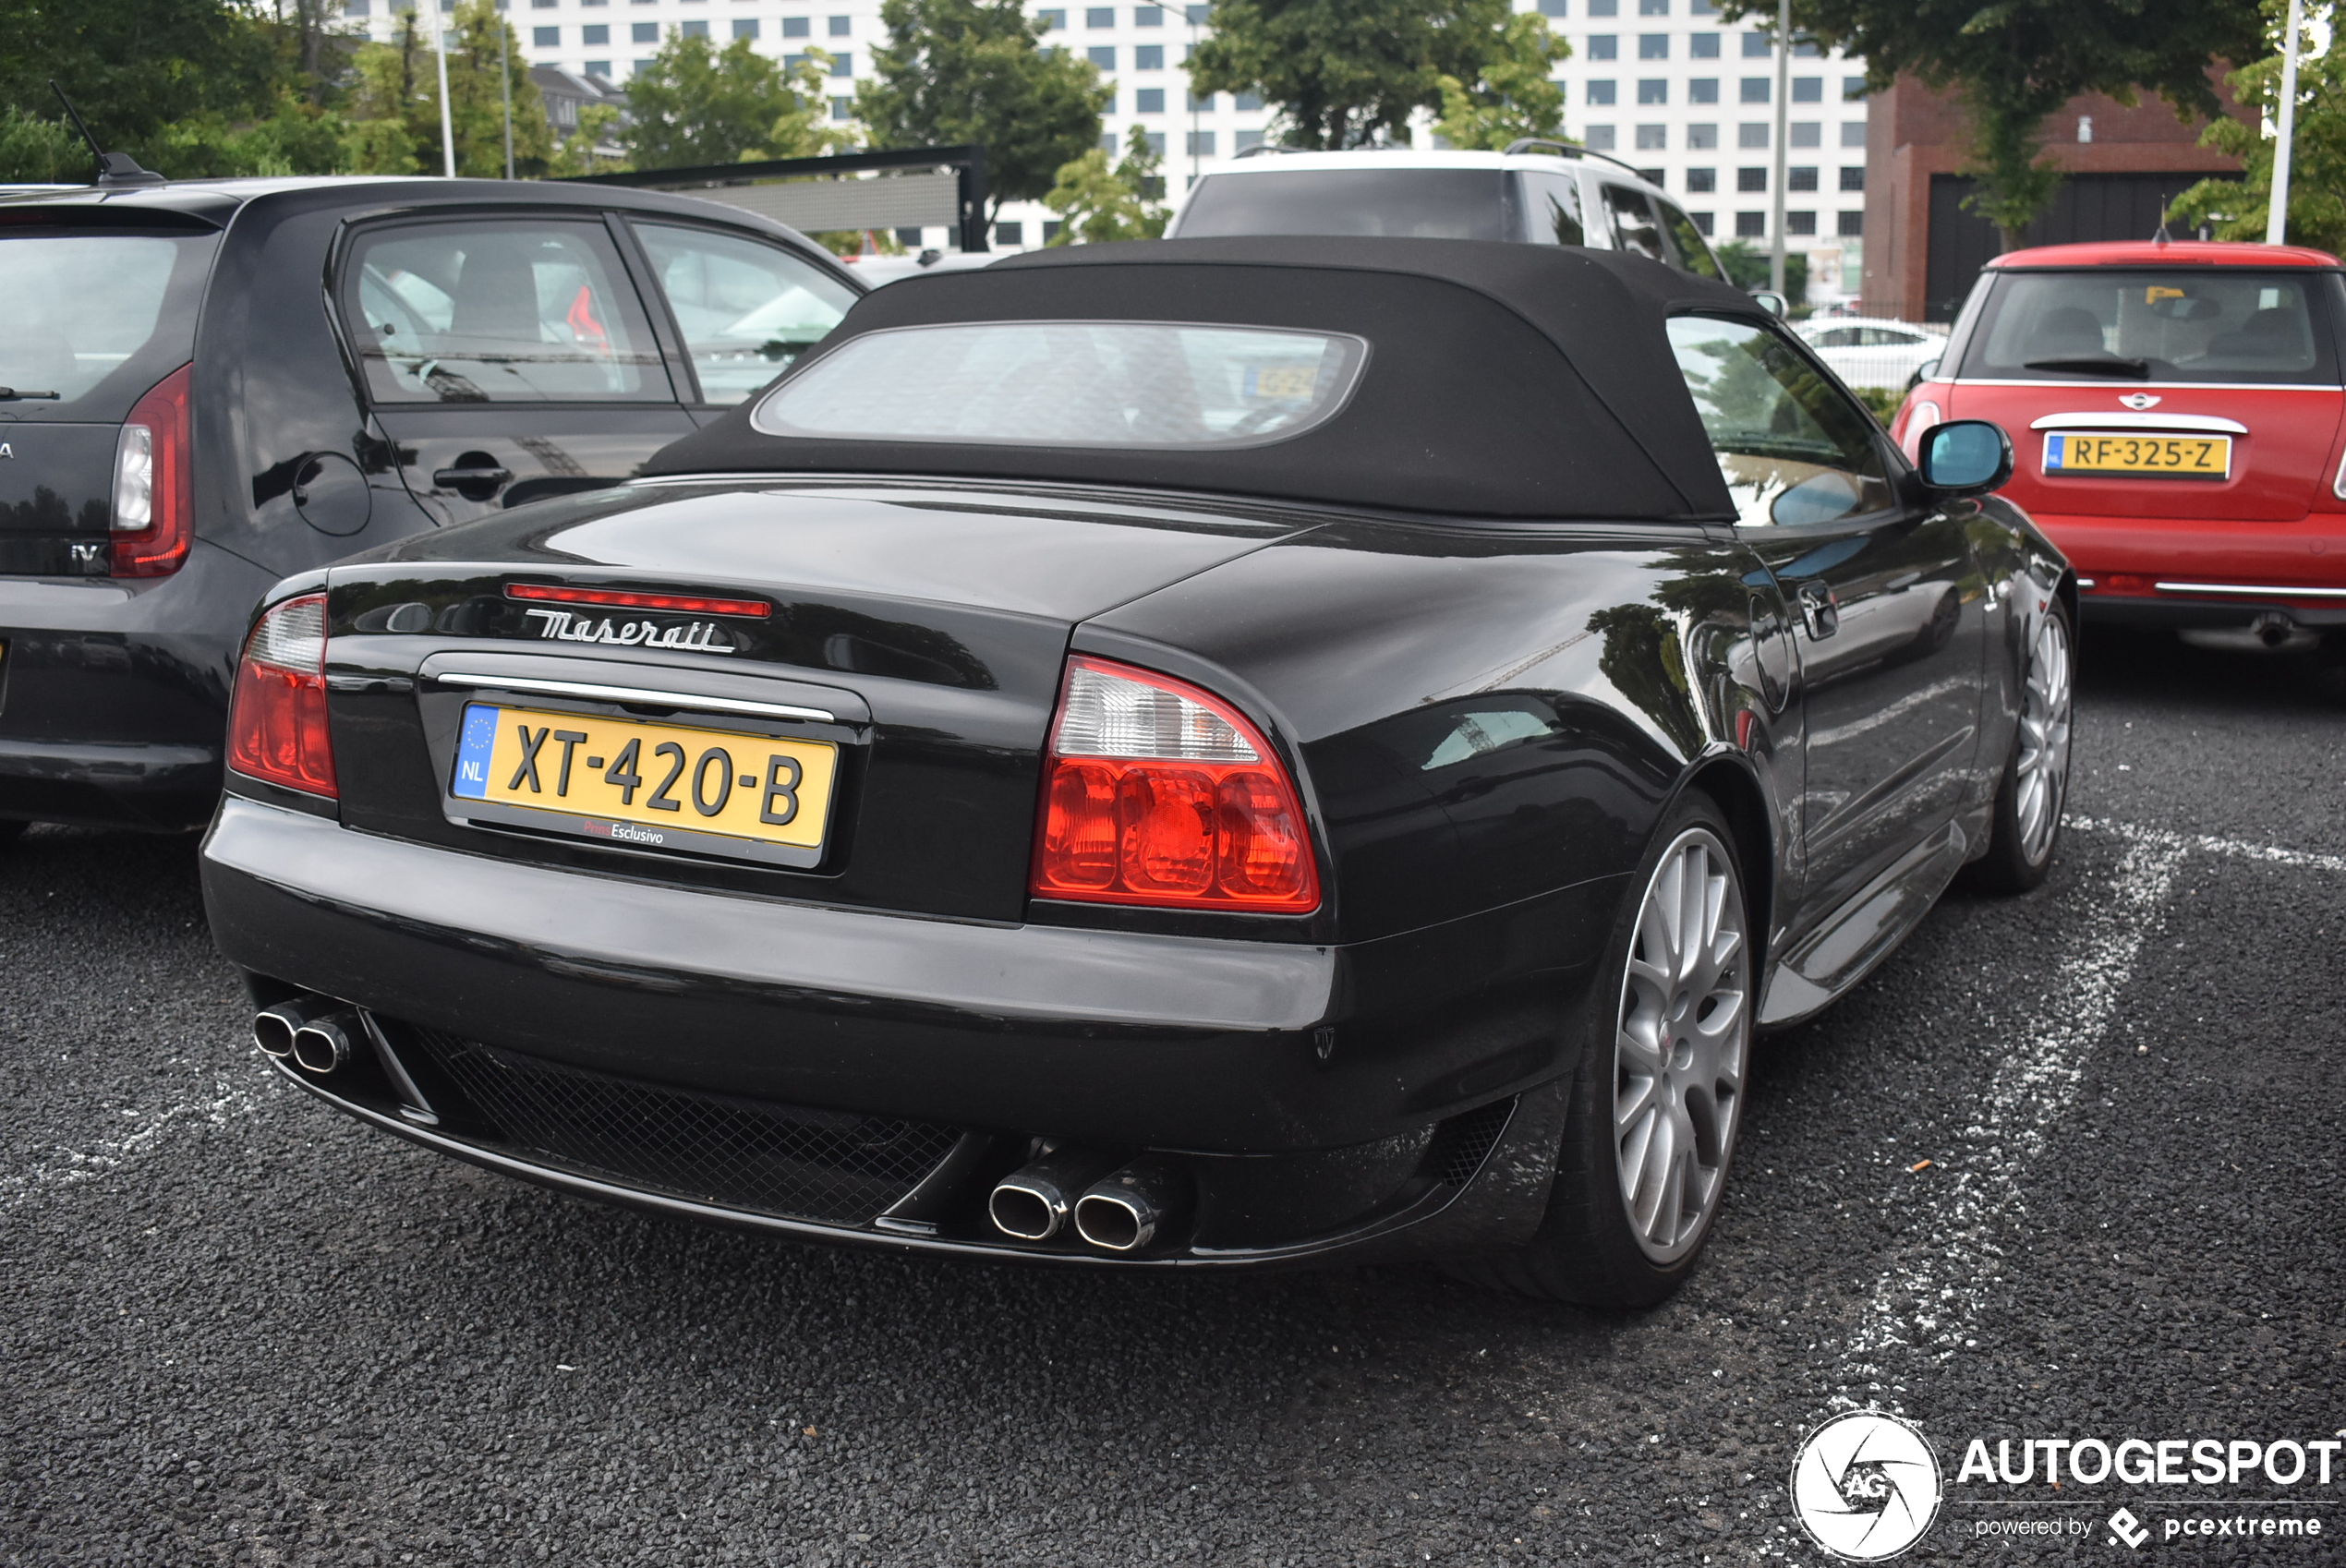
1215,753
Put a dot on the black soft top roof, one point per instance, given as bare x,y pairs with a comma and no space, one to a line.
1503,381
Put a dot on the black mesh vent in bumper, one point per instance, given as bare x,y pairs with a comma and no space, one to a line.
715,1149
1463,1142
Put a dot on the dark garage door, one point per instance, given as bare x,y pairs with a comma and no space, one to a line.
2084,207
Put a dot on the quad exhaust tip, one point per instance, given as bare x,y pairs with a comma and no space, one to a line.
1127,1209
317,1034
1035,1203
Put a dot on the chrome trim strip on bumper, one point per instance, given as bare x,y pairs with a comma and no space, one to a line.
2251,590
594,693
2209,423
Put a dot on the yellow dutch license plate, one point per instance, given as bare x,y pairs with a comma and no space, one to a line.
2139,457
648,786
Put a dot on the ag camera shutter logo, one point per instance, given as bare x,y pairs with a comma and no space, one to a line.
1866,1485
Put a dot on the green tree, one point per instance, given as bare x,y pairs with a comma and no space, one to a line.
1748,266
2011,63
2237,209
134,67
37,152
394,122
1517,96
956,71
695,104
578,154
1098,203
1349,73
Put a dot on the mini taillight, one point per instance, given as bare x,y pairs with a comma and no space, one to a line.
277,722
154,492
1156,793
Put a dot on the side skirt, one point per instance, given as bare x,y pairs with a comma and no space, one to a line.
1863,931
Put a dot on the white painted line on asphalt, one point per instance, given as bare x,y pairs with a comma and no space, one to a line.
2239,849
1922,1305
64,1167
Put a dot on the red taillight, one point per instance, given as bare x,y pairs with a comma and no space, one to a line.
682,604
1156,793
277,722
154,492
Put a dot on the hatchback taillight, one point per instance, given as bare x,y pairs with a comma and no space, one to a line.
154,492
277,722
1156,792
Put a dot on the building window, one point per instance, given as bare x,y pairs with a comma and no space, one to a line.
1010,234
1853,89
1148,57
1202,102
1701,139
598,69
1754,90
1799,222
643,32
1805,133
843,108
744,27
1245,139
791,62
638,67
1102,55
1751,179
1654,7
1806,49
1702,90
1853,133
695,29
1653,46
1200,144
1197,16
1247,102
1053,21
1808,90
1755,46
1852,225
842,63
354,8
1554,9
840,27
1600,92
1654,138
1157,142
1703,46
1600,139
1752,136
909,238
1751,225
1701,8
1051,227
595,35
796,27
545,38
1853,177
1801,179
1652,89
1604,7
1701,220
1108,138
1149,100
1099,16
1604,46
1148,15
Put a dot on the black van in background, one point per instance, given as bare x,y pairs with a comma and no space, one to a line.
207,386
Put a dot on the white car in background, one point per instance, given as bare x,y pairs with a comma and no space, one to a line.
1871,351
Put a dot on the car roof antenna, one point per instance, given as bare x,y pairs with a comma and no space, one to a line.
2162,236
113,168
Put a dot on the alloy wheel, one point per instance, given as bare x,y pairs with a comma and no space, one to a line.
1680,1046
2042,774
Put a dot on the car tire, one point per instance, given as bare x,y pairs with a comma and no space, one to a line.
2026,828
1592,1247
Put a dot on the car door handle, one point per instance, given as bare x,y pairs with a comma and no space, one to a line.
1819,609
454,477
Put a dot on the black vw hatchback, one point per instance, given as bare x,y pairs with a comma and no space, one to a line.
1197,755
206,386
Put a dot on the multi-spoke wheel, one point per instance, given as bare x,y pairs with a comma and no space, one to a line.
1678,1050
1665,1039
2036,782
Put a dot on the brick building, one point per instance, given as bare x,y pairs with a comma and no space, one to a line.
1923,249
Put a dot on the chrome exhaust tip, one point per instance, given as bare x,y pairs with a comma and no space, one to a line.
1035,1203
273,1028
1125,1210
325,1043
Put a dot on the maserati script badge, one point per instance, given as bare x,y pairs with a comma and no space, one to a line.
698,637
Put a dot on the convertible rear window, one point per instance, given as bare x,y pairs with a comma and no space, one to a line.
2166,324
1069,384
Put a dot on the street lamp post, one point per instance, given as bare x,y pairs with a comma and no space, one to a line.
505,79
447,123
2276,215
1783,90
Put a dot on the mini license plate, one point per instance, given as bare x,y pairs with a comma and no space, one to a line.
648,786
2139,457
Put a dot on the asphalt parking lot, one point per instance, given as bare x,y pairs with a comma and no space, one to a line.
237,1329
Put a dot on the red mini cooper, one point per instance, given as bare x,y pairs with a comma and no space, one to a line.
2175,413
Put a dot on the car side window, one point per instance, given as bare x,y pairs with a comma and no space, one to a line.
1693,251
1550,208
1792,446
747,309
1634,229
499,310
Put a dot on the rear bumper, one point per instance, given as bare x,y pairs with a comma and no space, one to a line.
1127,1041
2182,572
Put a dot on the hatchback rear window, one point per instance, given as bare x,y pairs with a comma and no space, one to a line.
2165,324
1069,384
95,319
1412,204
